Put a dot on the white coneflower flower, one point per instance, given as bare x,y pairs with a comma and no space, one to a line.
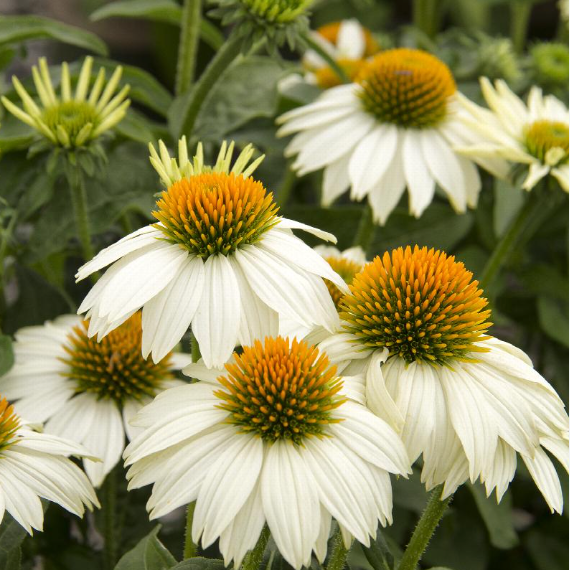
35,465
348,43
394,128
535,134
416,323
220,260
277,438
83,390
346,264
72,119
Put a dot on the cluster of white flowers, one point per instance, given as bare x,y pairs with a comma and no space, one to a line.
347,370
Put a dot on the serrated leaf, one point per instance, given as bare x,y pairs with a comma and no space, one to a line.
6,354
497,517
166,11
553,318
17,29
148,554
200,563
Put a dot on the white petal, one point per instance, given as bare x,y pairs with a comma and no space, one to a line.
536,172
227,487
544,475
421,184
444,166
289,495
167,316
335,180
371,158
216,323
285,223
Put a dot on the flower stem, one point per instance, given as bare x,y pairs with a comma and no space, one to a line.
188,46
81,213
520,16
339,552
223,58
331,62
427,14
253,558
189,546
512,235
110,516
366,229
424,530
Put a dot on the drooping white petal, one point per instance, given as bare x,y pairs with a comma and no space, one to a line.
285,223
217,319
336,180
227,487
289,495
167,316
420,182
544,475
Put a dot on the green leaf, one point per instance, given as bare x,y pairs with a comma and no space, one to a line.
247,90
497,517
379,554
16,29
166,11
37,301
148,554
6,353
11,536
553,318
200,563
508,201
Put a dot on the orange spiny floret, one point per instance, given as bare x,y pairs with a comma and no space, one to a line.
9,424
443,319
291,390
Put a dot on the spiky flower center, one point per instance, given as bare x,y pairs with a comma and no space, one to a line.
72,116
420,304
215,213
544,136
276,11
406,87
114,368
330,33
9,424
281,390
347,269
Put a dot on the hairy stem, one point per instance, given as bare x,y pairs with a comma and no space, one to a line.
188,46
424,530
253,558
189,546
110,519
339,552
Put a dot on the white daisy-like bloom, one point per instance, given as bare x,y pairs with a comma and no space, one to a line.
36,465
220,259
71,119
395,127
534,135
278,439
347,42
83,390
347,264
415,325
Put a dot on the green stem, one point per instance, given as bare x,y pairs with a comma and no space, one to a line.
425,529
366,229
520,16
285,189
188,47
331,62
339,552
511,237
81,213
110,515
189,546
254,557
427,15
223,58
195,348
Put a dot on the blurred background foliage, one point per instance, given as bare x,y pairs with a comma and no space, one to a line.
522,41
